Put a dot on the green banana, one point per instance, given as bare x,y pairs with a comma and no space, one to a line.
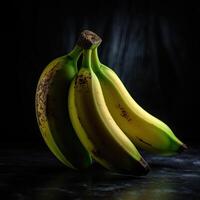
94,125
143,129
52,114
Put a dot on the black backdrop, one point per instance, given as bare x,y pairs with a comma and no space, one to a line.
153,47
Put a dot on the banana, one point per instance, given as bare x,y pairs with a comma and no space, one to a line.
143,129
52,113
95,126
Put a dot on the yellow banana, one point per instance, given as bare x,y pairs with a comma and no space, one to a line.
95,126
143,129
52,113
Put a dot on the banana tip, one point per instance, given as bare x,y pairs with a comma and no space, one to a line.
182,148
146,167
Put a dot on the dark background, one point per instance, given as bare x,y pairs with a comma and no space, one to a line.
153,47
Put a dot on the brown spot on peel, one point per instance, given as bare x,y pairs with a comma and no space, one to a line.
141,140
42,94
124,113
81,81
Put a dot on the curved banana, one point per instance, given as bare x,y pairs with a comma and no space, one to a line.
96,128
52,113
143,129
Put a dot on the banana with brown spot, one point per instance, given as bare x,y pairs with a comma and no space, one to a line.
52,113
143,129
95,126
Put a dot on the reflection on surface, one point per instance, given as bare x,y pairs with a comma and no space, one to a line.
164,185
38,178
156,189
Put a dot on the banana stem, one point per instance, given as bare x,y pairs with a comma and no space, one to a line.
96,64
76,52
86,62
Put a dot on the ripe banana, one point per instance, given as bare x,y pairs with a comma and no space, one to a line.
143,129
52,113
95,126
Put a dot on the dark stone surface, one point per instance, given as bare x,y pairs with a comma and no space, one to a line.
32,173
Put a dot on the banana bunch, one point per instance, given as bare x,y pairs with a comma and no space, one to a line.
88,113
